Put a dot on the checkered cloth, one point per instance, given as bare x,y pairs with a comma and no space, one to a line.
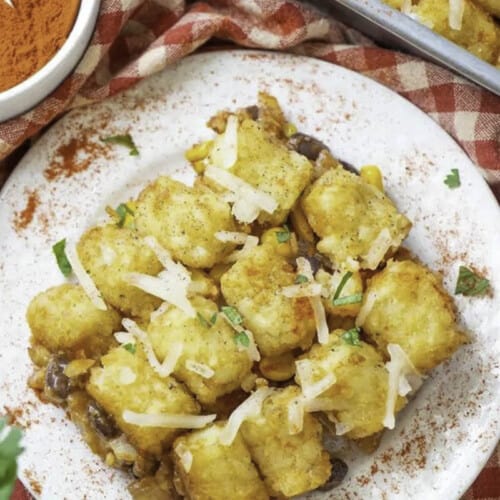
136,38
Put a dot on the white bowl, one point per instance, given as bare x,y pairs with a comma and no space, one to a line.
30,92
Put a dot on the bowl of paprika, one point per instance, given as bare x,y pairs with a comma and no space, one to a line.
42,42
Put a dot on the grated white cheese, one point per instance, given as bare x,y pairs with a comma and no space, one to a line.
403,378
232,237
84,278
368,303
250,408
253,352
224,152
164,307
125,338
378,248
295,412
248,241
185,456
302,290
249,200
199,368
456,14
163,369
168,420
319,404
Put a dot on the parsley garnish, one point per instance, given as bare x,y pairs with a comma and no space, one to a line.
469,283
122,210
350,299
213,319
232,315
301,279
453,180
59,250
242,339
9,451
343,281
284,235
351,336
131,348
124,140
202,320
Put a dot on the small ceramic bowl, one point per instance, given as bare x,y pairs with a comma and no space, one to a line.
34,89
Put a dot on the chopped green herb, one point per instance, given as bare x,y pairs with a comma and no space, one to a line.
469,283
130,347
202,320
213,319
350,299
351,336
124,140
122,210
232,315
343,281
10,449
242,339
284,235
301,279
59,250
453,180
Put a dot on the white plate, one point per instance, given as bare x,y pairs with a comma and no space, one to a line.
445,435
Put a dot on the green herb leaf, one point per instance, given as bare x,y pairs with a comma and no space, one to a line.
59,250
351,336
453,180
124,140
202,320
301,279
10,449
469,283
232,315
350,299
284,235
242,339
131,348
343,281
213,319
122,210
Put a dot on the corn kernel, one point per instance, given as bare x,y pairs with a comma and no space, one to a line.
199,151
289,129
372,175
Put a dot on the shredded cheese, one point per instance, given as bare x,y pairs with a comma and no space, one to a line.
253,352
168,366
84,278
199,368
295,412
319,404
302,290
185,456
378,248
403,378
456,14
366,307
250,408
249,200
224,152
164,307
248,241
125,338
168,420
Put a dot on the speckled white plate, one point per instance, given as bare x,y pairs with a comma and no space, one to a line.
444,436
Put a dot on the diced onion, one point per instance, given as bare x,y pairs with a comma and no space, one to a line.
456,14
84,278
402,376
224,152
250,408
168,366
185,456
253,352
168,420
199,368
302,290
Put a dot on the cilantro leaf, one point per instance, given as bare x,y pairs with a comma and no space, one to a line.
122,210
131,348
124,140
349,299
10,449
343,281
202,320
470,284
59,250
232,315
284,235
242,339
300,278
453,180
351,336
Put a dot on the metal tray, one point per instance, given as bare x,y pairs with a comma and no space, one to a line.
391,28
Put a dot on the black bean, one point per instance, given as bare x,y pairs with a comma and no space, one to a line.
306,145
253,112
55,379
339,472
100,421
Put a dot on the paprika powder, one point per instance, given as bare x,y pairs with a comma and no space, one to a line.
30,35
